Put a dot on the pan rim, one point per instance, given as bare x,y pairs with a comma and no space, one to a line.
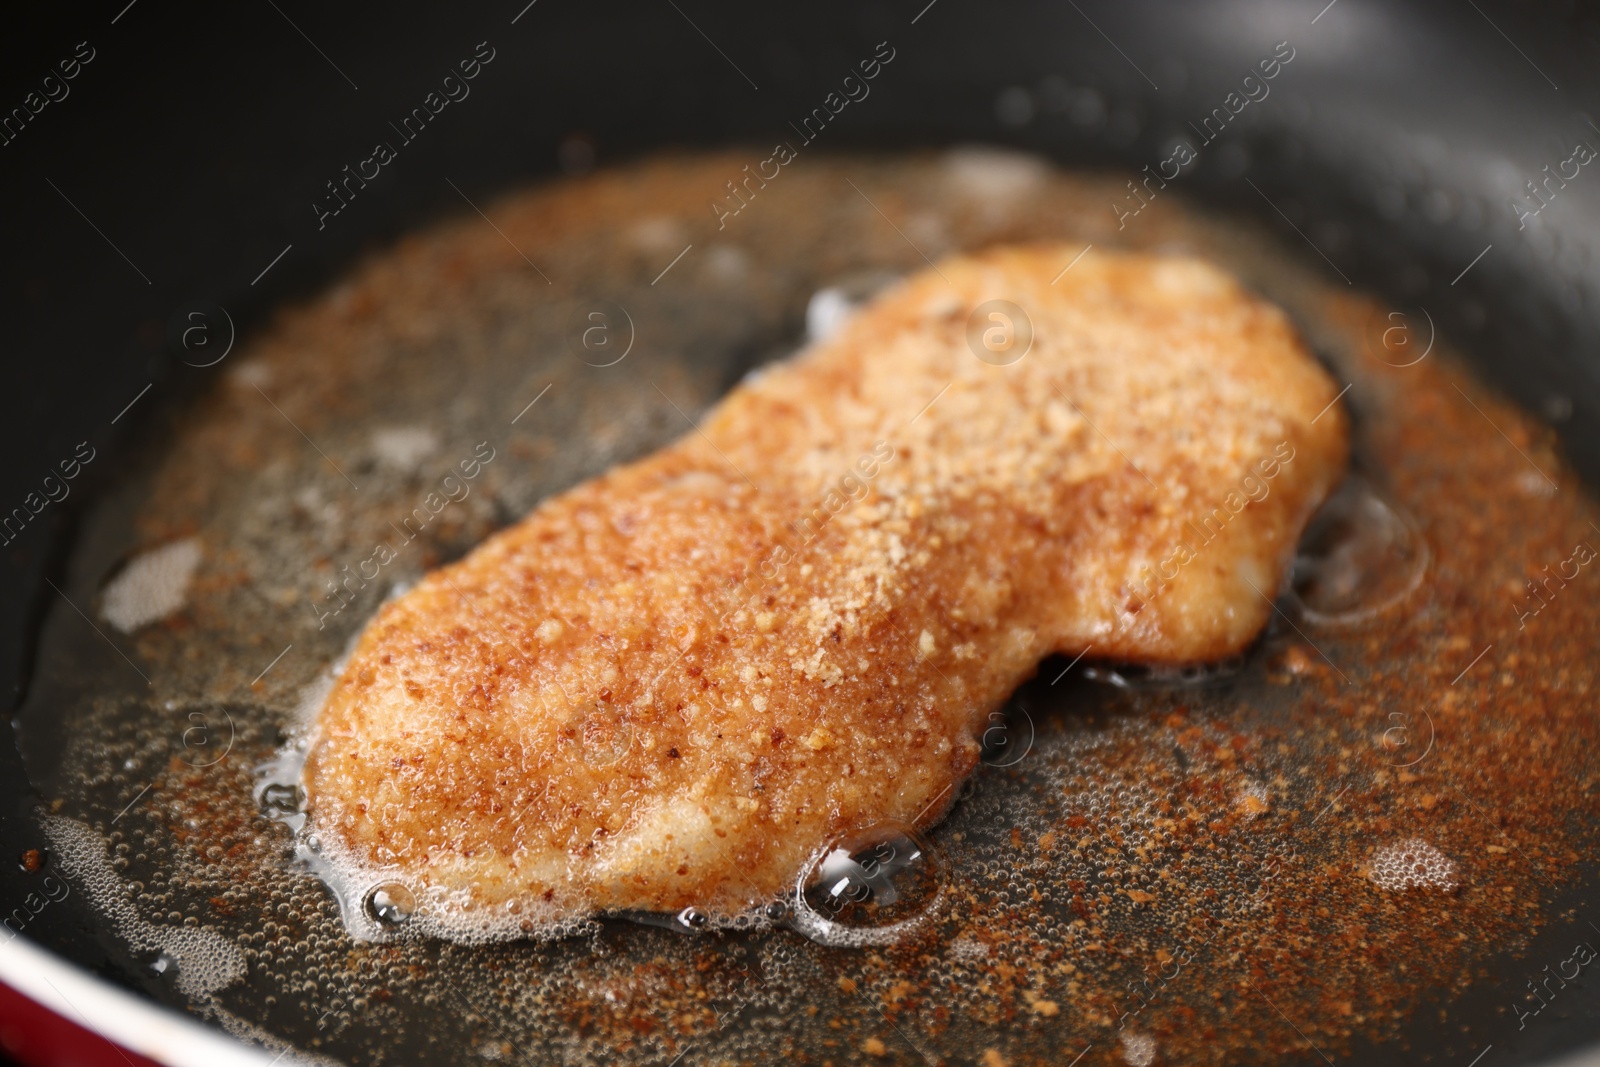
125,1019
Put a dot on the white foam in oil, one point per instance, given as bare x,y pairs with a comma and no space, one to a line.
152,586
1412,864
204,961
383,903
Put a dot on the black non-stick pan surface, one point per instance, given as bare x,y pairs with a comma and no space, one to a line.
177,174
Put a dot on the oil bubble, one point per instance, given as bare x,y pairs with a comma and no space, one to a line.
279,799
690,920
874,887
390,905
1360,556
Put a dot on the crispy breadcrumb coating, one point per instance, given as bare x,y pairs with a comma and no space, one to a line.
669,686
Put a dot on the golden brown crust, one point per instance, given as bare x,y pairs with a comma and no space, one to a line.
671,684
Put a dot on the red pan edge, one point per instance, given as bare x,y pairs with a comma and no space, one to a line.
54,1014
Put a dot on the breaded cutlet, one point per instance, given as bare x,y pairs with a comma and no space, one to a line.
670,685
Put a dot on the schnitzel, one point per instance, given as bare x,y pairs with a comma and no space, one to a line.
672,684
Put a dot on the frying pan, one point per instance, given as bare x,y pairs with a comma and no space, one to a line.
177,170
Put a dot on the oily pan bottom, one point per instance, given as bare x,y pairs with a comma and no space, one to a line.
1366,836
